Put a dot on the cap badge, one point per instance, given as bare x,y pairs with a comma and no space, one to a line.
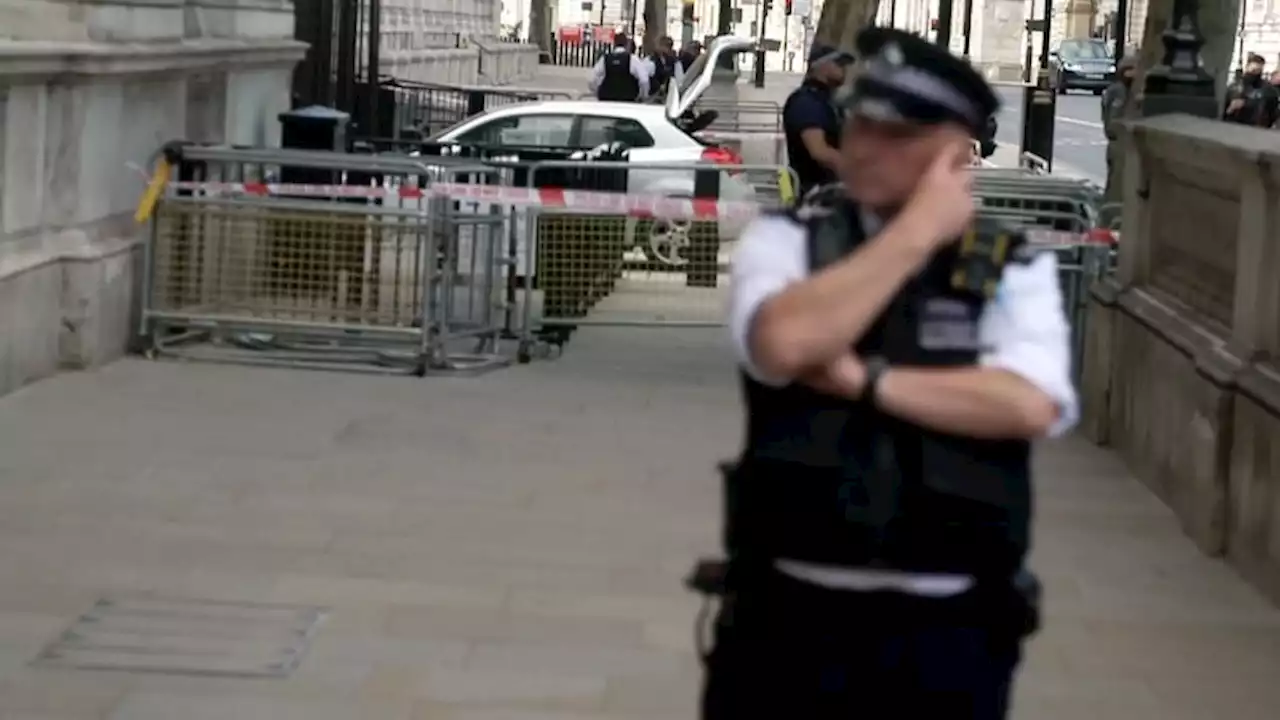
892,55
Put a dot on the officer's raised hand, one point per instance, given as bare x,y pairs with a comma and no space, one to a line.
943,200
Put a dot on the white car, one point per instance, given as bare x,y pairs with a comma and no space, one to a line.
656,137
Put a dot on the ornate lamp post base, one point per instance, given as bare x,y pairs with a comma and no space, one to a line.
1179,84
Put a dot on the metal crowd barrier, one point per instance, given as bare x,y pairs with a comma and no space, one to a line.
618,259
752,129
1031,198
353,265
422,264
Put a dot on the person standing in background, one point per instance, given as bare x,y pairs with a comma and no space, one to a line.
1114,99
811,121
688,54
619,76
1252,100
663,66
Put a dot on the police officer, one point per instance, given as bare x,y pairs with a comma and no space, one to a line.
618,75
663,66
899,357
1251,100
811,121
688,54
1114,99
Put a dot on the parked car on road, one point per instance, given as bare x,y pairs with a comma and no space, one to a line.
657,135
1081,65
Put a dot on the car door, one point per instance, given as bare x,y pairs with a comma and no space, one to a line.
596,130
681,98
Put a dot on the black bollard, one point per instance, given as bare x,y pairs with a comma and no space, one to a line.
1039,106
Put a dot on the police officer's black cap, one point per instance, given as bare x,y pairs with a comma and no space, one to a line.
906,78
821,53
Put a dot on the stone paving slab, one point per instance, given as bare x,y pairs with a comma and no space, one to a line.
510,547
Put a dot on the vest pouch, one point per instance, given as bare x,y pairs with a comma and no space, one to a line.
972,503
779,509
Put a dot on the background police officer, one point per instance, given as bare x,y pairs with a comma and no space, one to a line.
811,120
663,66
1114,98
1251,99
896,368
619,75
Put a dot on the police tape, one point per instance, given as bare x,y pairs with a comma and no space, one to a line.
583,202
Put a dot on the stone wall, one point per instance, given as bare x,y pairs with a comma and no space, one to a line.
445,41
1181,373
88,92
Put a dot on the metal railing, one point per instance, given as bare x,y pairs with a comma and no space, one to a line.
423,109
574,54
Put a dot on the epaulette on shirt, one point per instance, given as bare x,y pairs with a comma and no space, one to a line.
1009,237
984,251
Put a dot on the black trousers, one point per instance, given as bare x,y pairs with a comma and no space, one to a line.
789,649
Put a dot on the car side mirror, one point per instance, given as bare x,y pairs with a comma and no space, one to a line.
1053,55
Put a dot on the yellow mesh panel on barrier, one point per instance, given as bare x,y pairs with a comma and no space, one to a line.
609,269
257,261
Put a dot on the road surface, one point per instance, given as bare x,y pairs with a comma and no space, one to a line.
1078,143
1079,146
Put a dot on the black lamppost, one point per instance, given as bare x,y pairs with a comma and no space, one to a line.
1120,27
1040,101
968,24
1180,84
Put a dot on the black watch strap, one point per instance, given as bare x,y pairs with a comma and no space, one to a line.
875,367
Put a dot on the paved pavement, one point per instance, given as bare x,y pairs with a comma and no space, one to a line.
509,547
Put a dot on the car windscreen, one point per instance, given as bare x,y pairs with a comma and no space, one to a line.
1085,51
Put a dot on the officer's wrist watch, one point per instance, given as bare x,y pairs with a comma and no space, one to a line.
874,367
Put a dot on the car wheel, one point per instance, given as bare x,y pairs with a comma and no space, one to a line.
662,240
1097,91
1062,88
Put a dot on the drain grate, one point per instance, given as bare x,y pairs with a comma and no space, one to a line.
190,637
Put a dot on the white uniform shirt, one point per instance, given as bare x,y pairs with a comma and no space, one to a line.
1023,330
638,71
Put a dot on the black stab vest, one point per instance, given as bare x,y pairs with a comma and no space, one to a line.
831,481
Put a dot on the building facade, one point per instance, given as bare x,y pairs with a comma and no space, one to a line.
88,93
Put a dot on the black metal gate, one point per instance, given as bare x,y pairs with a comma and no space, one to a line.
339,57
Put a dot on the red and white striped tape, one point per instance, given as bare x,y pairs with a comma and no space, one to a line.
560,199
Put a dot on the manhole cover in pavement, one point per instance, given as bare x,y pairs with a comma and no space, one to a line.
191,637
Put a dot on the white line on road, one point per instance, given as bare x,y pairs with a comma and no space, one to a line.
1075,121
